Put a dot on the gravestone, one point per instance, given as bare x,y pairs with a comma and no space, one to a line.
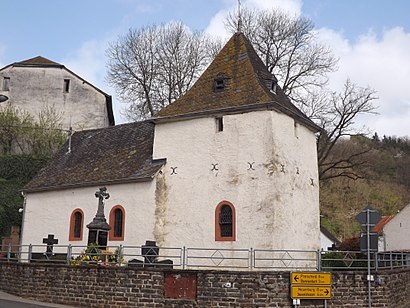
50,241
150,252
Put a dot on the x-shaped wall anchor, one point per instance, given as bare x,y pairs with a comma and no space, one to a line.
174,170
214,167
282,166
251,166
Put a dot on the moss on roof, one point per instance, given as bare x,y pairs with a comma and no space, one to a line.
247,83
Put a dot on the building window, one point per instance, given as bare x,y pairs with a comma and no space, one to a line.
117,222
76,225
273,86
219,124
66,85
225,228
6,84
220,83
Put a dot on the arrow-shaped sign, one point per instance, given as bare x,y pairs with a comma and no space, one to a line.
327,292
296,278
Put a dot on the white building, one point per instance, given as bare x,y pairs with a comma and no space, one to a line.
38,83
327,240
394,231
232,164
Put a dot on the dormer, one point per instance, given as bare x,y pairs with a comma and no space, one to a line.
220,83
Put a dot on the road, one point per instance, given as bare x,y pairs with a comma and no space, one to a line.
11,301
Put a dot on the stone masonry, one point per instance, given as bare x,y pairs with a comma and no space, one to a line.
85,286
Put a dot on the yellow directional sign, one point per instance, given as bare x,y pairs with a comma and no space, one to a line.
311,278
311,292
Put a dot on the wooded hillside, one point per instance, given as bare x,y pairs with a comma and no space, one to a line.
384,184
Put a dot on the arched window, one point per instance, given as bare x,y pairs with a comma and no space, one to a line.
117,223
225,228
76,225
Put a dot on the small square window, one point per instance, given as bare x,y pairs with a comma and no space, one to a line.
6,84
66,85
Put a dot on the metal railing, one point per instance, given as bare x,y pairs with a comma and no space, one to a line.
203,258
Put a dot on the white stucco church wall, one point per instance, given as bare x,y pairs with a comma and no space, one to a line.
257,164
49,213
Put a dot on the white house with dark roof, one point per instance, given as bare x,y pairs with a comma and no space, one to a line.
232,164
394,231
327,240
35,84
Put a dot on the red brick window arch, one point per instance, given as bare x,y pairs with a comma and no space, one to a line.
225,222
76,225
117,223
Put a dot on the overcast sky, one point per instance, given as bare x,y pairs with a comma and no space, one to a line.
371,38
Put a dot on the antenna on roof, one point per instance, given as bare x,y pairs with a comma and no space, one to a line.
239,17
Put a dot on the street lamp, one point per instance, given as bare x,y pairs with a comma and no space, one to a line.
3,98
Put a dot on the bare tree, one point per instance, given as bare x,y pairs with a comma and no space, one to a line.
289,48
153,66
337,118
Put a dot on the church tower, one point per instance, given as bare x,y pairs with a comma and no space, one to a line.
241,167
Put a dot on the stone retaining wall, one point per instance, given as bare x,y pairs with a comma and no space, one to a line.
82,286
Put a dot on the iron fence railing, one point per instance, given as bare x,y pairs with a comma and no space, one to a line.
203,258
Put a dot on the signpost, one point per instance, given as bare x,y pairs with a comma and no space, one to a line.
369,217
310,285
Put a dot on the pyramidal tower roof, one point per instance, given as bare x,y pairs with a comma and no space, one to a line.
236,80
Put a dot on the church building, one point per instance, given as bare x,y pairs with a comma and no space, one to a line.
231,164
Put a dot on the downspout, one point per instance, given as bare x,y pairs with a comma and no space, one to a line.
23,218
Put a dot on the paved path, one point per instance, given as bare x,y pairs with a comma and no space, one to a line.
12,301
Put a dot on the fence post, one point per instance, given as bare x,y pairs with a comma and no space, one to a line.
391,260
402,259
119,255
183,257
319,260
376,261
251,259
69,253
30,251
8,252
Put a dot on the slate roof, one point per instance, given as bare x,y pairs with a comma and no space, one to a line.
248,83
116,154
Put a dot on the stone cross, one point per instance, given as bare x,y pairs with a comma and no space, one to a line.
101,195
50,241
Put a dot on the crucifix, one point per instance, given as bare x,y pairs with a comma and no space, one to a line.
102,194
98,228
50,241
